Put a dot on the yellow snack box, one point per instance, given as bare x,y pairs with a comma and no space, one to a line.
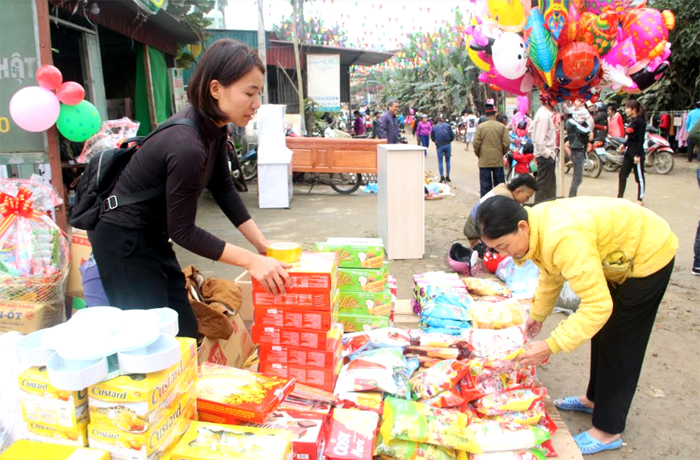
45,404
50,433
143,396
34,450
156,439
208,441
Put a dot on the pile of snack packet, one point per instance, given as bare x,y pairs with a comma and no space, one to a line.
364,297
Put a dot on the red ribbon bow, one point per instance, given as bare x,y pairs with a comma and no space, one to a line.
20,206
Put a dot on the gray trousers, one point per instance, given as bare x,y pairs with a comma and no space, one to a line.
577,158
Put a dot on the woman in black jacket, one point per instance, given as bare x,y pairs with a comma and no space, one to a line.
634,156
131,243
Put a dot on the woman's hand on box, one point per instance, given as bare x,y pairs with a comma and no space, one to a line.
271,273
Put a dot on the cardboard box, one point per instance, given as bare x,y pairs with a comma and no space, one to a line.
359,323
307,433
362,280
43,403
319,301
354,252
245,283
319,359
208,441
365,303
233,351
80,250
315,272
42,432
28,317
302,338
295,318
320,378
351,435
34,450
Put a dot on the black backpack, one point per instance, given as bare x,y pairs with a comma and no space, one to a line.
93,191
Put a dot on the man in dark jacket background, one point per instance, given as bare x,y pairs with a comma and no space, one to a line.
388,125
443,136
491,143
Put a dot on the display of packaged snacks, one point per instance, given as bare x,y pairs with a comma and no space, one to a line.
301,356
351,435
449,306
151,440
365,303
319,301
482,379
486,287
320,378
510,401
484,343
436,379
43,403
295,318
208,441
35,450
302,391
499,436
307,433
136,401
378,338
408,450
497,315
315,272
355,323
426,286
361,280
366,400
531,416
418,422
382,369
42,432
290,337
355,253
228,395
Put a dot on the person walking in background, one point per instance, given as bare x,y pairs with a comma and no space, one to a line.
634,155
693,118
502,118
694,135
358,124
470,121
544,138
388,127
410,120
616,126
491,143
423,132
578,132
601,123
443,136
375,125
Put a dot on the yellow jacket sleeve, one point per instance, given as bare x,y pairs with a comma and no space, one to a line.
546,295
579,262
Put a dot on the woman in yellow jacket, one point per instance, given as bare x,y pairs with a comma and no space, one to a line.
618,257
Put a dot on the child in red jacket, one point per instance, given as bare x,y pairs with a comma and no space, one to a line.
523,159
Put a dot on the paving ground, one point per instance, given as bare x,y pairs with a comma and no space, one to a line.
664,421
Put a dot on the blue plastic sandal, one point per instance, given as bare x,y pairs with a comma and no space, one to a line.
572,403
589,445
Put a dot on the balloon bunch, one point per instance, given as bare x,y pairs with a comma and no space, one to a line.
37,108
570,49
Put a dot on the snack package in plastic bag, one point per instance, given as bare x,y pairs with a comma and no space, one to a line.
368,400
531,417
110,136
486,287
428,339
532,454
374,370
510,401
448,306
497,315
43,196
458,351
445,399
433,381
484,343
568,299
488,377
418,422
408,450
522,281
377,338
499,436
444,323
427,286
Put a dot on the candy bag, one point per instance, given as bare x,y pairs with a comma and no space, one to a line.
373,370
445,399
486,287
532,454
486,377
376,338
448,305
498,436
496,315
510,401
371,401
484,343
418,422
441,377
437,322
530,417
408,450
110,136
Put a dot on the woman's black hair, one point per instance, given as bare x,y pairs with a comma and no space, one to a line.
528,148
639,108
499,216
502,118
524,180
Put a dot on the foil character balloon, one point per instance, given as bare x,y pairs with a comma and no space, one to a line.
542,49
520,86
555,13
616,63
598,6
509,56
648,29
577,70
599,30
475,56
508,14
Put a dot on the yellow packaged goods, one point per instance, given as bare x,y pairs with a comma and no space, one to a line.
207,441
496,315
137,400
50,433
34,450
80,250
149,442
43,403
486,287
28,317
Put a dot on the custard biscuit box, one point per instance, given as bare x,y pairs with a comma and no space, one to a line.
360,323
150,442
355,253
35,450
362,280
45,404
365,303
208,441
42,432
315,272
135,401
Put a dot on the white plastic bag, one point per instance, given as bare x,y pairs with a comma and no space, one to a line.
521,280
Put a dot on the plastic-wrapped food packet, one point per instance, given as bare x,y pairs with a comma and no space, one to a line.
408,450
376,338
484,343
368,400
486,377
497,315
445,399
441,377
486,287
497,436
510,401
429,321
374,370
530,417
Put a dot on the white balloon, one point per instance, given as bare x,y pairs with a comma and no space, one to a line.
510,56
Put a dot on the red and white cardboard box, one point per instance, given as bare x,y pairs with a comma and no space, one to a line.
291,337
295,318
320,359
307,432
320,378
315,272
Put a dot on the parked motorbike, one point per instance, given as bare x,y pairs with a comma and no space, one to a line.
343,183
659,154
249,164
592,165
236,169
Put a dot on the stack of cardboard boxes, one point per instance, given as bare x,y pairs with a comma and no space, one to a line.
364,297
297,333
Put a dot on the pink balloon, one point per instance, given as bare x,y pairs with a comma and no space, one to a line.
49,77
70,93
34,108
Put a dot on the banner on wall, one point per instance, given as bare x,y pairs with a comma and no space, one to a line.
511,106
324,81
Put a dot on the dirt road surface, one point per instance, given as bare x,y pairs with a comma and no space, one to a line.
664,421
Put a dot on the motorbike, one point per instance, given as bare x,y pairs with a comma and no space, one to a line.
249,164
659,154
343,183
592,164
237,172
